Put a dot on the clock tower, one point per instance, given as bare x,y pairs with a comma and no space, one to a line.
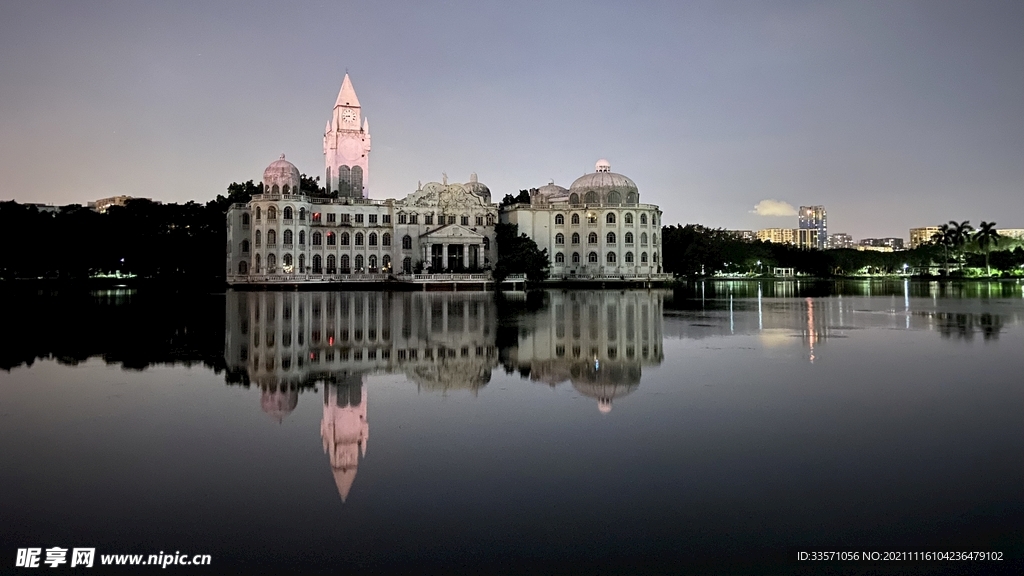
347,146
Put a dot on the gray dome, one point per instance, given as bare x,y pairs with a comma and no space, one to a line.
476,187
552,191
607,186
281,173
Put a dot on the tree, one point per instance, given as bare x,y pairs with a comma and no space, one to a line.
312,187
509,200
986,236
961,235
518,254
944,238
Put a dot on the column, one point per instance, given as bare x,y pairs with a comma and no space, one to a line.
444,256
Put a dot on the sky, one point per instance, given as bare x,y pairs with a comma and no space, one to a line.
891,114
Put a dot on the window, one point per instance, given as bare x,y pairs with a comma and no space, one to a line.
610,238
372,218
643,257
402,219
386,218
359,263
271,240
271,262
631,198
406,242
559,220
288,213
590,198
373,238
487,243
257,264
385,239
614,197
559,258
331,239
332,217
286,259
574,198
575,219
317,239
317,262
385,263
285,189
245,219
271,215
575,257
628,218
592,257
346,266
412,218
629,238
629,257
654,239
479,220
451,219
259,238
357,181
372,261
258,212
344,238
346,218
490,220
592,238
428,219
643,238
302,237
302,213
559,238
643,219
575,238
245,245
609,218
407,265
315,217
611,257
288,237
332,264
359,218
243,268
359,240
302,270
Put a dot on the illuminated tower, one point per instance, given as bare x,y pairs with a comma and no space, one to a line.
813,230
347,146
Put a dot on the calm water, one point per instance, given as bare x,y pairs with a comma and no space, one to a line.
719,428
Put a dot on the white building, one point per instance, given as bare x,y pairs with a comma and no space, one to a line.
596,228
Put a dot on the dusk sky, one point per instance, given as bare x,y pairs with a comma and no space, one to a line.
891,114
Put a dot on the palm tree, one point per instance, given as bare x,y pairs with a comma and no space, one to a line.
944,238
961,235
987,235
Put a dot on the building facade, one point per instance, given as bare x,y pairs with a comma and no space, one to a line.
813,227
840,240
777,235
923,235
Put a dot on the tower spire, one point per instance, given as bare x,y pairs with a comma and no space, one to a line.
347,95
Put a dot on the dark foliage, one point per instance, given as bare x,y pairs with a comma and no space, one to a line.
518,254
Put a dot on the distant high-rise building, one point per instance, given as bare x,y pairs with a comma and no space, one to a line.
745,235
894,243
814,220
1015,233
777,235
923,235
840,240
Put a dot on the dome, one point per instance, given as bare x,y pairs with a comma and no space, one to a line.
553,191
475,187
281,173
279,403
607,186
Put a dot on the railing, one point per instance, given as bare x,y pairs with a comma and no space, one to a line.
279,196
625,276
312,278
582,206
486,277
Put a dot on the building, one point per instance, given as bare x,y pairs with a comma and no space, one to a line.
1015,233
744,235
813,226
840,240
870,248
893,243
923,235
778,235
595,228
103,204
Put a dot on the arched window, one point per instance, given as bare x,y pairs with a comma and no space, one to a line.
258,212
590,198
271,213
628,218
654,219
631,198
372,262
357,181
302,213
332,264
302,263
359,263
302,237
654,239
245,245
385,239
287,212
407,265
575,219
245,219
574,198
592,238
575,238
629,238
346,264
629,258
610,238
385,263
275,190
317,239
359,240
592,257
487,243
318,267
559,220
286,259
344,181
285,189
654,256
490,220
614,197
271,238
373,238
259,238
643,257
271,262
575,257
331,239
611,257
243,268
610,218
559,238
643,219
344,238
643,238
288,237
257,262
559,258
406,242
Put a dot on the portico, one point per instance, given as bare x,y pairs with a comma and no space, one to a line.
454,248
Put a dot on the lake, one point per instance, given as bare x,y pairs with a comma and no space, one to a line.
722,427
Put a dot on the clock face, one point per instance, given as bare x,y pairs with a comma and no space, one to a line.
348,115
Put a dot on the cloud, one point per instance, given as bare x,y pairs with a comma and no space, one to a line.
774,208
